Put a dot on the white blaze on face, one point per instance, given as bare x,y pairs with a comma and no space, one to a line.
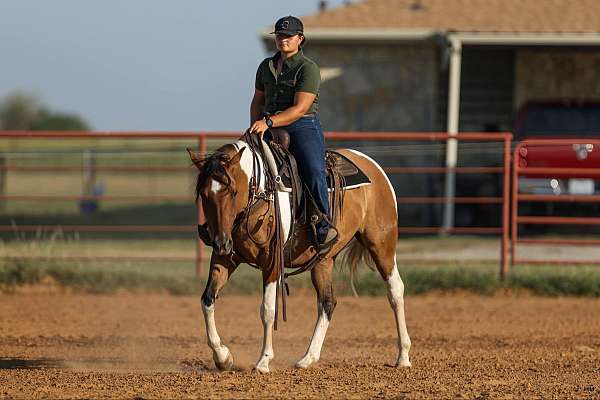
215,186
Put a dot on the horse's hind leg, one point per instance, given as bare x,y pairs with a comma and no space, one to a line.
220,270
321,279
396,298
382,247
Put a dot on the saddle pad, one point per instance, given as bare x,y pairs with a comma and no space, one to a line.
353,176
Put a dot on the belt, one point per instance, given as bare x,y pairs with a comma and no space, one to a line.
314,114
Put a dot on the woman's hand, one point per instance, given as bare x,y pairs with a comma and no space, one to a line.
259,127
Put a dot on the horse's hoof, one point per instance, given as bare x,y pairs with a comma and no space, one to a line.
305,362
225,365
261,369
403,364
262,365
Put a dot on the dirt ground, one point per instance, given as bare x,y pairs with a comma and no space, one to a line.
61,345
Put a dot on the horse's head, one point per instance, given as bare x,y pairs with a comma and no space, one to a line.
223,187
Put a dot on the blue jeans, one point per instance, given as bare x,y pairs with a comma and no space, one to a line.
307,145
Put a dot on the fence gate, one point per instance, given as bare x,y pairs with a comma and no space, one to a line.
555,171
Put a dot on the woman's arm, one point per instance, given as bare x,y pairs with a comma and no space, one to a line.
302,103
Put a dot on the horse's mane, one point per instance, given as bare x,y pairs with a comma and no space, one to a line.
212,167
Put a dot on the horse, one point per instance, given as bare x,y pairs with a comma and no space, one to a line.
231,188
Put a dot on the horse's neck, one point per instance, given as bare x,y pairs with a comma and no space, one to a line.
247,165
283,198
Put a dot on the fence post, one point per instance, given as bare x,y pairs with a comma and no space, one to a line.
506,190
2,180
514,228
200,253
88,204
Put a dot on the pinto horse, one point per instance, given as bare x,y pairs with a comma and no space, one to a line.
231,185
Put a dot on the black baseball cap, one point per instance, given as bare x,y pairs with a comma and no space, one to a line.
289,26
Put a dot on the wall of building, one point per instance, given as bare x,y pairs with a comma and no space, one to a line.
369,87
486,92
556,74
377,87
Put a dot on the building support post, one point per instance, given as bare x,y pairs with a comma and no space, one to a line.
452,129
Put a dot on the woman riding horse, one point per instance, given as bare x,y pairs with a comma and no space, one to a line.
286,95
240,207
239,211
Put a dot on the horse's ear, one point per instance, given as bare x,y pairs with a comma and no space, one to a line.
196,159
236,159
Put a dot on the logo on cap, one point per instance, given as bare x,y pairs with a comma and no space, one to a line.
285,24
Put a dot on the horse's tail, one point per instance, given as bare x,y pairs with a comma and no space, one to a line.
355,255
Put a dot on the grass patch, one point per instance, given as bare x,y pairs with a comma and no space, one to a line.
553,280
81,278
106,281
179,277
19,272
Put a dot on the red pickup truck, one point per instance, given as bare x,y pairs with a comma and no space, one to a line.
554,120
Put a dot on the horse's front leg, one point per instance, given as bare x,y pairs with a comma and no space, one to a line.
267,314
220,270
326,302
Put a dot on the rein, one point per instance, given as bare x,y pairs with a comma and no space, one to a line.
276,246
276,243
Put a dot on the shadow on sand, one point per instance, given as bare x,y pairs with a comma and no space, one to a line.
36,363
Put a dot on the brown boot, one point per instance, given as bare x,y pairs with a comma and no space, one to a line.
327,241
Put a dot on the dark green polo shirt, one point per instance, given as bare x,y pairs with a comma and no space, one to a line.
299,74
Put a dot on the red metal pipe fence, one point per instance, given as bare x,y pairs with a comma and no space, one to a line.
203,137
553,159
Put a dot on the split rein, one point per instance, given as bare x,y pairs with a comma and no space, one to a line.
276,246
276,265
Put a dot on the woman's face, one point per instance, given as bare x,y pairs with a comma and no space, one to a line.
287,43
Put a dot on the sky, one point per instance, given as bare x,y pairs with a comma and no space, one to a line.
152,65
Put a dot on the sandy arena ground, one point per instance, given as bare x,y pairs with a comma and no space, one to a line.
147,346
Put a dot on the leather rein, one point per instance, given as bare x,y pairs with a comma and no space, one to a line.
271,197
276,244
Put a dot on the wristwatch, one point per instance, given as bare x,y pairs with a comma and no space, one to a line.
269,122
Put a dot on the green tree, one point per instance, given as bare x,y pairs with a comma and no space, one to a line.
18,111
58,121
23,111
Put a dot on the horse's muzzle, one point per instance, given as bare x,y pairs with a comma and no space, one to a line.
223,244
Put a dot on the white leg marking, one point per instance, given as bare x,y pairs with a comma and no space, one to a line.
221,354
316,343
396,298
215,186
358,153
267,314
